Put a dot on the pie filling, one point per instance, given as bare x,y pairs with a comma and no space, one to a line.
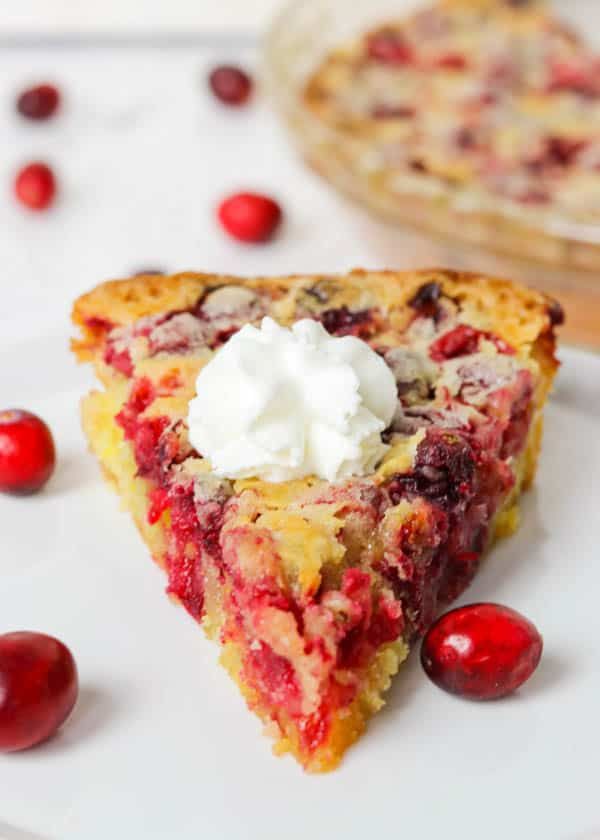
308,583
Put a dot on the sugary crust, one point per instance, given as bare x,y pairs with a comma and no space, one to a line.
519,314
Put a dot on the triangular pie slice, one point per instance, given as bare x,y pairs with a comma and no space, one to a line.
316,590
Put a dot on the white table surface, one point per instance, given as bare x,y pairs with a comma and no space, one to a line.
143,154
61,17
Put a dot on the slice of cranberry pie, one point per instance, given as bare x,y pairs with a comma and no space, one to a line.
316,588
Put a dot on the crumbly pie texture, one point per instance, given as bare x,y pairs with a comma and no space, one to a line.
475,118
314,590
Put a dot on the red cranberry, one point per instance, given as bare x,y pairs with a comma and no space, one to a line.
39,102
230,84
27,456
38,688
35,186
344,321
464,340
389,47
250,217
482,652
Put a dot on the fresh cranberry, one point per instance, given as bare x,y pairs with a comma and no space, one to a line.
27,455
389,47
230,85
482,652
250,217
35,186
39,102
38,688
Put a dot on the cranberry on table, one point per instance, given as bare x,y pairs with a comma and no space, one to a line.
231,85
39,102
27,454
38,688
250,217
35,186
482,651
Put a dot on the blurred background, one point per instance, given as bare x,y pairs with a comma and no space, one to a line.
143,153
139,16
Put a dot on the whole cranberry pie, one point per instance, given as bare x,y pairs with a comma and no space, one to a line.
316,589
474,118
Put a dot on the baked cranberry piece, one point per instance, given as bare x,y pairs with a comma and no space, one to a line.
556,313
27,455
230,85
462,341
39,102
443,470
35,186
451,61
343,321
38,688
389,47
426,299
482,651
556,152
250,217
575,75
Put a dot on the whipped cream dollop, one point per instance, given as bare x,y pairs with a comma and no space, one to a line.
279,404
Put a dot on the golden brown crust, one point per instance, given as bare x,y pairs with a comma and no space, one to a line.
519,314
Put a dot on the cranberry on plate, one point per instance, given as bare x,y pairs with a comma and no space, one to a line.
27,454
250,217
39,102
35,186
38,688
481,651
231,85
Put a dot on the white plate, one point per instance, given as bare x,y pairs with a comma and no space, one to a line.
161,746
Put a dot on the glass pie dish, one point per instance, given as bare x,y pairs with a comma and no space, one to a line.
488,234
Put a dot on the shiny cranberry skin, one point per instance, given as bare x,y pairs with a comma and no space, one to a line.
38,688
231,85
39,102
481,652
250,217
27,455
35,186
